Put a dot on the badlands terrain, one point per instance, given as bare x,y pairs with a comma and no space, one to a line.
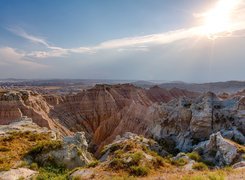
133,130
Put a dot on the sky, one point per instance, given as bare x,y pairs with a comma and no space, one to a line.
180,40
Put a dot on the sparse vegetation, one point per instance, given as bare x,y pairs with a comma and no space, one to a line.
200,166
180,162
135,158
139,170
117,163
34,166
45,146
93,164
52,173
194,156
16,144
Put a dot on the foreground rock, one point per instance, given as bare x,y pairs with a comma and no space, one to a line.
16,174
181,124
71,152
138,140
220,151
24,140
130,154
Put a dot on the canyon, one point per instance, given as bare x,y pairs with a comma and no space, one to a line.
178,120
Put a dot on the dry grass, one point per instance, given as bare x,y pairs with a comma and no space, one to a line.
14,147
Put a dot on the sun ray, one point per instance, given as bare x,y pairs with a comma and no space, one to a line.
218,22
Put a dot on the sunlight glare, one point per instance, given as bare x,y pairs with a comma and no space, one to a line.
218,20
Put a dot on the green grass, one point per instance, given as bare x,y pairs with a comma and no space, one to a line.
52,173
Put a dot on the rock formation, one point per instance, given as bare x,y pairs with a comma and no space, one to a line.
41,145
220,151
176,118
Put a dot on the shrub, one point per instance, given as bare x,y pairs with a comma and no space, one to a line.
93,164
194,156
117,163
115,147
53,173
34,166
158,161
208,163
45,146
4,149
180,162
136,157
23,164
129,146
200,166
119,153
139,170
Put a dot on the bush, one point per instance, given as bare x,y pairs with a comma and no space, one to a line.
136,157
93,164
115,147
158,161
208,163
180,162
200,166
34,166
119,153
194,156
4,149
52,173
139,170
45,146
117,163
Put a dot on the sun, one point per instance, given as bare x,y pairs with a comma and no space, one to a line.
218,21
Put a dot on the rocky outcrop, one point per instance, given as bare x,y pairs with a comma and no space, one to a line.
175,118
70,153
15,104
220,151
183,123
160,95
25,124
138,140
44,146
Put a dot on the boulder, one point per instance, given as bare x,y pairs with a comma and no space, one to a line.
219,151
72,153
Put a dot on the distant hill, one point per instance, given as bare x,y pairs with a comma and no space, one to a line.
217,87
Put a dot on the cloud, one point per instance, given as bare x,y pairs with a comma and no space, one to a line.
133,43
20,32
10,57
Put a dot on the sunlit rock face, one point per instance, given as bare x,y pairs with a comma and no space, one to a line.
220,151
183,123
15,104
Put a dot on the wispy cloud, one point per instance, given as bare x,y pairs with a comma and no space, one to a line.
124,44
10,56
20,32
